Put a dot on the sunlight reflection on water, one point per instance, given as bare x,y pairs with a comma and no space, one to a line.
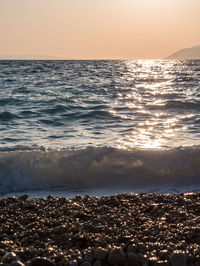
151,90
148,104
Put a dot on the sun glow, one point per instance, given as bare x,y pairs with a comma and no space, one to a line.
122,29
153,4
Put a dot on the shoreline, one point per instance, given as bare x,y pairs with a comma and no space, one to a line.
123,229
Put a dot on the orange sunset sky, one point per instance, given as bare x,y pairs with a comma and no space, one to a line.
98,29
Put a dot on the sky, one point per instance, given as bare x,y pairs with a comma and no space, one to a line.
98,29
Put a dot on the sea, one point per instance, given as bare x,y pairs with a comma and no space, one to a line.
99,127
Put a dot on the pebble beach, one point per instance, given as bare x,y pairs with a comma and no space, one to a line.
123,229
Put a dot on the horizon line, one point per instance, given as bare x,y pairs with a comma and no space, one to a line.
85,59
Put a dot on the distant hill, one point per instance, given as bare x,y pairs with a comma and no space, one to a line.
187,53
28,57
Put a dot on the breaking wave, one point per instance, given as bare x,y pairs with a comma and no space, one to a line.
26,169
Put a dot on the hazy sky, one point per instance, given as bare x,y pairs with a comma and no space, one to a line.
96,29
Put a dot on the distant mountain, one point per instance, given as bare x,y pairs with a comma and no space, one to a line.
28,57
187,53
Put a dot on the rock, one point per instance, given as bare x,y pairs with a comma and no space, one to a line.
24,197
178,259
97,263
73,263
60,229
100,254
116,257
133,259
2,252
86,263
89,256
59,257
132,248
17,263
50,197
9,257
163,254
162,263
28,205
41,262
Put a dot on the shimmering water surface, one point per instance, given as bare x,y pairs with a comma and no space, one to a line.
123,111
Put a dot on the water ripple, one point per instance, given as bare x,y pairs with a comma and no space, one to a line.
124,104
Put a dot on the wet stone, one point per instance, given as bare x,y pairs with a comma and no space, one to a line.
24,197
50,197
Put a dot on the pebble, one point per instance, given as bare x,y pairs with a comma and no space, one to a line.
73,263
100,254
41,262
131,248
116,257
9,257
17,263
97,263
126,229
86,263
162,263
24,197
133,259
60,229
178,259
89,257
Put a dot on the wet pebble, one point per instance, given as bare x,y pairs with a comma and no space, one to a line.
24,197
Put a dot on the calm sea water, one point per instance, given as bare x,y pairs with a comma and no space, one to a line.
99,125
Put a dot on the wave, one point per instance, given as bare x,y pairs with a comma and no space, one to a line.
97,168
4,116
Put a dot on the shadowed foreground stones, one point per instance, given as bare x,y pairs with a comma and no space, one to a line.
133,259
125,229
100,254
178,259
41,262
86,263
17,263
9,257
117,257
